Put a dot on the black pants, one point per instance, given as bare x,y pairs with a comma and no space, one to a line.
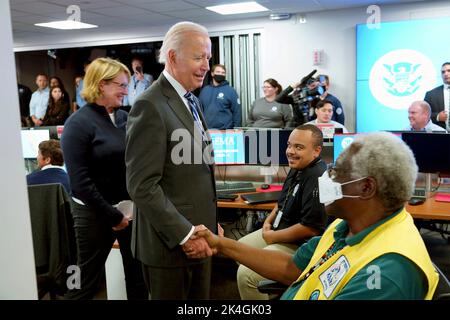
95,238
179,283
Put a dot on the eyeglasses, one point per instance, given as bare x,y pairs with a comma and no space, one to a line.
267,87
331,168
121,85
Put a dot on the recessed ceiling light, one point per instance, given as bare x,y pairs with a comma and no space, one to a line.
280,16
235,8
66,25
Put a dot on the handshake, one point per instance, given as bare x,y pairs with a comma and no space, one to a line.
203,243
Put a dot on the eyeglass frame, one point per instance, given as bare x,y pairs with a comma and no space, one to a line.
121,85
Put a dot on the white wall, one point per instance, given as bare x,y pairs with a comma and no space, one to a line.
17,276
287,45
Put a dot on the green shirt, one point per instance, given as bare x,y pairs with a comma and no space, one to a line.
400,278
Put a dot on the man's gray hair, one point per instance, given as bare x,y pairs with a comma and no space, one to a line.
176,35
387,159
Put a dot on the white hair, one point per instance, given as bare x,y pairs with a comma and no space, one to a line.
387,159
176,35
425,106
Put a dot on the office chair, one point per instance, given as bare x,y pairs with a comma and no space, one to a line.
443,288
273,288
53,237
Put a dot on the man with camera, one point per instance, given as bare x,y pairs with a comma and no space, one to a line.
138,83
302,95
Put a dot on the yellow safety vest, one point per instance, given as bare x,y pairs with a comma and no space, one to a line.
397,235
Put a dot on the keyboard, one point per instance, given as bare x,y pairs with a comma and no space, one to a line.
234,187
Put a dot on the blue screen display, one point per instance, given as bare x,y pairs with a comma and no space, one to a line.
228,146
396,65
340,142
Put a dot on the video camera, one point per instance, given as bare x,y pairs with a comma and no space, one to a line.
309,89
304,94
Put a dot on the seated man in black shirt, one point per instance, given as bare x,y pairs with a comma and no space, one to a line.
298,214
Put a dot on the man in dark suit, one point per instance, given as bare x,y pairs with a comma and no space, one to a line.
50,162
170,176
439,99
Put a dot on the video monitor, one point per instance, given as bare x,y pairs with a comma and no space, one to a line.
266,146
228,146
30,141
396,64
431,150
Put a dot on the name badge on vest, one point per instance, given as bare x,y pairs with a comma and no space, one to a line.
331,277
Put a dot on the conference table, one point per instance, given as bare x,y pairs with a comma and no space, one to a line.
429,210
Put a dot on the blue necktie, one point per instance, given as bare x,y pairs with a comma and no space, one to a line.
194,110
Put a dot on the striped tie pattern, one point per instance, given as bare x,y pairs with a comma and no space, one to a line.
194,110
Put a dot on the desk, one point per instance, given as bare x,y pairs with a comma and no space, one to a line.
240,204
429,210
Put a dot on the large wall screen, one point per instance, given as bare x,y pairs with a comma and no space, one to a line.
396,64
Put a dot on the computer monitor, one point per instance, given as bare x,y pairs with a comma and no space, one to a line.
343,140
266,146
228,146
328,130
30,141
340,142
431,150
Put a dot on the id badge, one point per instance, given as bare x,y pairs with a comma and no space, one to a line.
277,219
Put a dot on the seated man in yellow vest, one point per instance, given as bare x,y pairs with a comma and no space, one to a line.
372,251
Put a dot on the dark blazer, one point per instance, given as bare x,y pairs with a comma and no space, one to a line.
50,175
435,98
170,197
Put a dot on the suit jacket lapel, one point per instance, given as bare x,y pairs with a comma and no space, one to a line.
180,110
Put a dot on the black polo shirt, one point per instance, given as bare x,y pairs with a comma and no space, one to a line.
299,200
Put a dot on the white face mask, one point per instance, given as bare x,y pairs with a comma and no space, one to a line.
329,191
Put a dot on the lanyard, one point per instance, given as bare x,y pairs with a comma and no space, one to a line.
290,191
326,256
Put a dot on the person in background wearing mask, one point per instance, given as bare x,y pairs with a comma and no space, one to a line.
373,234
139,81
419,118
220,102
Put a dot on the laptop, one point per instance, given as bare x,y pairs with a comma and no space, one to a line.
262,197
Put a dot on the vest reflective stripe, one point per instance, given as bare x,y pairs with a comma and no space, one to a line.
397,235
